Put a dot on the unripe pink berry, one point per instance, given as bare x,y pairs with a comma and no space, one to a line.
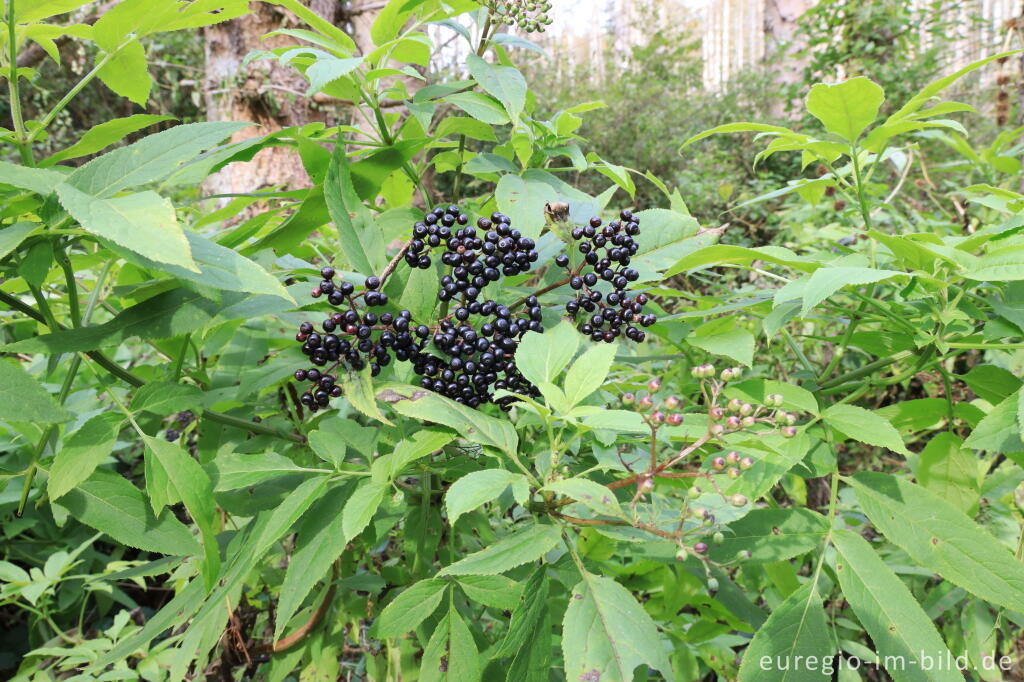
733,472
717,430
748,421
788,431
647,485
746,409
645,403
658,417
733,422
718,463
738,500
746,463
716,413
674,419
671,402
628,398
700,548
732,457
653,385
734,405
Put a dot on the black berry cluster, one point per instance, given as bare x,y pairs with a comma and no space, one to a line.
354,337
477,255
606,255
474,361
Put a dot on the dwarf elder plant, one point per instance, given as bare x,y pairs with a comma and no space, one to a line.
510,432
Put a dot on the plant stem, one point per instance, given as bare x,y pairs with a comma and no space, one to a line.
861,197
20,134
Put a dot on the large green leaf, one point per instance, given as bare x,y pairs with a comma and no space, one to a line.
899,627
542,357
846,108
772,535
172,313
527,544
22,399
523,200
126,72
358,390
942,538
504,82
38,180
471,424
235,470
360,239
410,608
164,397
998,431
451,654
596,497
481,107
826,281
143,222
589,372
82,452
864,426
150,159
193,487
527,614
477,488
795,631
950,471
361,507
112,505
104,134
318,544
606,634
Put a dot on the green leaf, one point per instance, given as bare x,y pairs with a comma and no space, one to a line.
742,127
410,608
796,628
950,471
323,72
234,470
898,626
143,222
126,72
13,235
150,159
846,108
772,535
942,538
218,267
915,103
38,180
164,397
864,426
524,545
82,452
503,82
723,337
22,399
361,507
451,654
998,430
495,591
589,372
523,201
194,489
471,424
481,107
112,505
358,390
826,281
477,488
593,495
420,295
617,420
527,614
606,634
423,442
318,544
172,313
363,246
27,13
104,134
542,357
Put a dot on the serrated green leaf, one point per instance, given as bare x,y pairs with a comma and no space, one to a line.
826,281
358,390
481,107
23,399
523,200
899,628
410,608
593,495
360,239
542,357
451,654
797,627
126,72
772,535
527,614
361,507
38,180
194,489
589,372
475,489
318,544
997,431
846,108
865,426
503,82
143,222
104,134
525,545
112,505
82,452
941,538
471,424
233,471
495,591
606,634
164,397
950,471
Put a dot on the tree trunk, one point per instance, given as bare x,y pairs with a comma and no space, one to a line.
263,92
782,42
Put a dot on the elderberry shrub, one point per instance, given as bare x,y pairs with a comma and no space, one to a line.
606,254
